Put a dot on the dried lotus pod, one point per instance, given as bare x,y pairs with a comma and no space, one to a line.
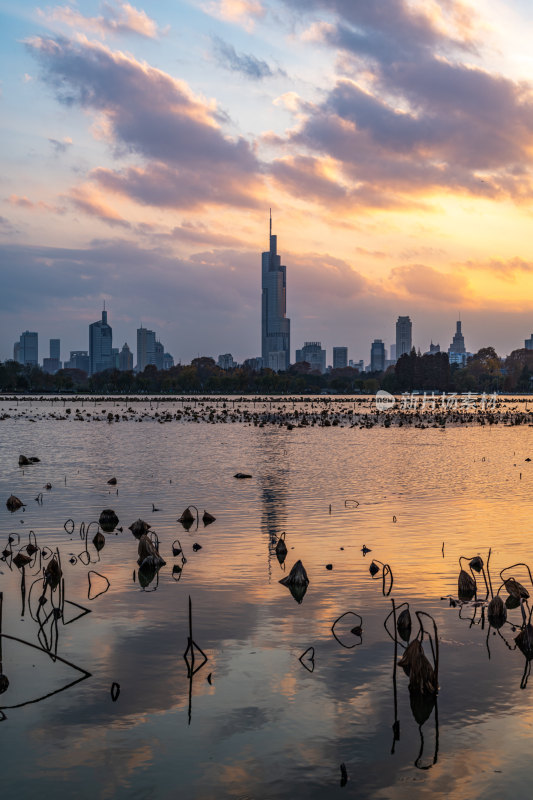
496,612
516,589
13,503
466,586
139,527
403,625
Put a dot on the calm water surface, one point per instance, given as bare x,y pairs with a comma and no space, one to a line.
263,727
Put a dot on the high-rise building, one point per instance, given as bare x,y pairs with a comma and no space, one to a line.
404,331
225,361
275,327
340,357
159,355
53,364
125,359
16,352
528,343
393,352
313,354
145,348
100,345
28,350
377,356
457,351
457,346
79,359
433,348
168,361
253,364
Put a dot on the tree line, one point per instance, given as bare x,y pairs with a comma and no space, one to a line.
484,372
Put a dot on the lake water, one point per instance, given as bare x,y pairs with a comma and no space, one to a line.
253,721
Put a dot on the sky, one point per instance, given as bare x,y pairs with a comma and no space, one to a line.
142,148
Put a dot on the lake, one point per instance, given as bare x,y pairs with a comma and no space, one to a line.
255,721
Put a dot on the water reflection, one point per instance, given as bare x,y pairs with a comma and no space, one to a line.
262,708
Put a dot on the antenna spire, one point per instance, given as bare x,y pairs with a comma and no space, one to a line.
271,222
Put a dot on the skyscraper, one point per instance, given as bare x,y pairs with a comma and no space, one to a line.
340,357
125,359
313,355
28,350
168,361
79,359
53,364
159,355
100,345
145,348
404,329
377,356
458,342
275,327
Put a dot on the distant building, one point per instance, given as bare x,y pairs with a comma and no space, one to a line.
433,348
16,352
159,355
168,361
125,359
100,345
226,361
253,364
145,348
313,354
404,336
51,365
457,346
393,352
340,357
79,359
55,349
277,360
28,349
459,358
115,357
377,356
275,327
528,344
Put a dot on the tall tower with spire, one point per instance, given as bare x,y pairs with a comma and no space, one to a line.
275,327
100,345
458,342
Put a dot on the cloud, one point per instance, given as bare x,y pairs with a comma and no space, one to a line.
412,118
199,233
117,18
242,12
505,269
89,201
61,146
33,205
245,63
307,177
424,282
165,186
147,112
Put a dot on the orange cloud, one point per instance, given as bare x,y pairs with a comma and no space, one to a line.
118,18
88,200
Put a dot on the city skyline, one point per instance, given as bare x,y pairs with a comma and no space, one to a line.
399,176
